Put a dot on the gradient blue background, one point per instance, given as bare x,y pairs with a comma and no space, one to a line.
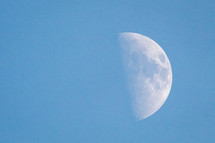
62,79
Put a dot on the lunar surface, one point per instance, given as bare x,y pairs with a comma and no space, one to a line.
149,73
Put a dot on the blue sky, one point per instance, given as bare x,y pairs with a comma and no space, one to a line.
62,78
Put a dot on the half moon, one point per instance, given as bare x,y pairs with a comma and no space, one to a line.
149,73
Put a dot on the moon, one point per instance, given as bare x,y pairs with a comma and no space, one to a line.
149,73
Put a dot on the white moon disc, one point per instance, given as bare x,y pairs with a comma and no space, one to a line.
149,73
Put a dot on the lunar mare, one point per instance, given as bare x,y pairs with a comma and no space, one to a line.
149,73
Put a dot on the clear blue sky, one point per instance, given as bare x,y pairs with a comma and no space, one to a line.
62,79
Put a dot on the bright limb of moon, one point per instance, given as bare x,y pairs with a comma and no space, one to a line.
149,73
